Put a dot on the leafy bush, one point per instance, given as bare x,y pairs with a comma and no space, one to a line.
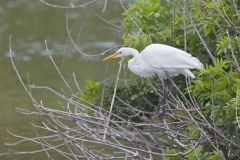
199,153
154,21
216,88
92,92
131,102
146,22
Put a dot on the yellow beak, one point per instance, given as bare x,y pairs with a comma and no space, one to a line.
111,56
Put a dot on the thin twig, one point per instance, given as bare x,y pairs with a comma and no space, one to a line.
113,99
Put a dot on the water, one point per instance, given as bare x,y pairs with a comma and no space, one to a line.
30,23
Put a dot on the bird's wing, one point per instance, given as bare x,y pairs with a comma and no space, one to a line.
166,57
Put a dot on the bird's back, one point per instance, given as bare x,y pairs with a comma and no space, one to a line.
163,49
163,58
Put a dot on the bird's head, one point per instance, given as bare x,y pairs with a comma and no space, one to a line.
122,52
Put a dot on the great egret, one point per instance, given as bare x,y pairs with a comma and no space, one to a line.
163,60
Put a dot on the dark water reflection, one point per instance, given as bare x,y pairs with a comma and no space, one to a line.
31,23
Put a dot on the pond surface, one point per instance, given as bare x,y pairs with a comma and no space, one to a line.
30,23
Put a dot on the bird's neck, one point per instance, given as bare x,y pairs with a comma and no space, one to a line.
133,52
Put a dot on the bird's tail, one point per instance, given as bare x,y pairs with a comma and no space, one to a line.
197,63
188,73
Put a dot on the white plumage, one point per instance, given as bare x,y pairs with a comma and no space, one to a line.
163,60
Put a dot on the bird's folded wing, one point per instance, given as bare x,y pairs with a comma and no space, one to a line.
170,59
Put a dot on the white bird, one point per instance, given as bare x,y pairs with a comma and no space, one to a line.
163,60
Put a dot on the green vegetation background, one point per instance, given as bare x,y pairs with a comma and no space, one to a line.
211,34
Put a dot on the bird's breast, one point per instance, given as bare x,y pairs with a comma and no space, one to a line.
139,68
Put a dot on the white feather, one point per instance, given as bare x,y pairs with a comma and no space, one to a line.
163,60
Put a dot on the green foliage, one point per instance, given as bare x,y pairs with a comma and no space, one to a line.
146,22
215,82
225,46
137,40
201,153
177,157
213,21
198,153
216,87
136,95
156,21
92,91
